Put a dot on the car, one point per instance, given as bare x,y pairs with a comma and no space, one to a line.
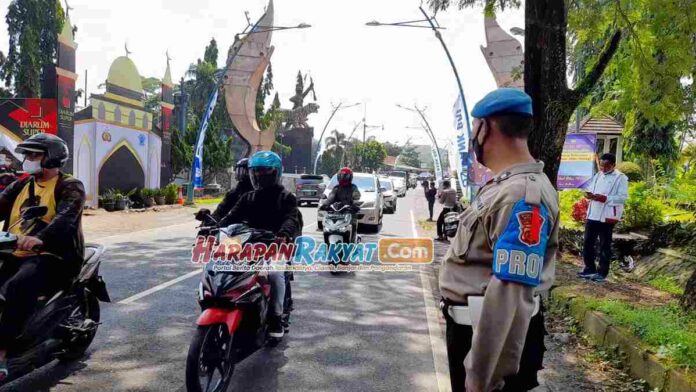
371,201
389,195
309,188
399,186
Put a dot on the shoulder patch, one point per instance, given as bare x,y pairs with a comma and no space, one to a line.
520,249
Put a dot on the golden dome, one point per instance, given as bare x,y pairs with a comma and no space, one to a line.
123,73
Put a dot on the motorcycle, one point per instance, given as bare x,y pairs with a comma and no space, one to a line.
338,228
63,325
233,322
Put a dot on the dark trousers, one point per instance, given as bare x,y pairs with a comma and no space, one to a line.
431,205
603,231
441,221
22,282
459,344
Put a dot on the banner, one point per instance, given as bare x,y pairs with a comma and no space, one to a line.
437,165
197,169
462,147
577,161
25,117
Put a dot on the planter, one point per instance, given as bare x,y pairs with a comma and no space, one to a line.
160,200
109,205
120,205
149,201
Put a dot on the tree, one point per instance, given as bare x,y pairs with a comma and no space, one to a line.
336,141
330,162
393,149
545,73
410,157
211,53
371,155
33,27
152,88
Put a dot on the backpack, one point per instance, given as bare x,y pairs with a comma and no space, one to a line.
300,221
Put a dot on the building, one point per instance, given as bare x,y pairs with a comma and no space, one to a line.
609,134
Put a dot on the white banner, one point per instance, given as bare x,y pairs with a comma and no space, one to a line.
462,145
437,165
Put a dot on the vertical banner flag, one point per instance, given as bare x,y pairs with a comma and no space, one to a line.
197,169
462,146
437,165
577,161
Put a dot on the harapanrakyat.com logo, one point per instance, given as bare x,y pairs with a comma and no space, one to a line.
309,255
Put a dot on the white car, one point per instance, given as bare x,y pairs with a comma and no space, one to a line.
399,186
371,201
389,194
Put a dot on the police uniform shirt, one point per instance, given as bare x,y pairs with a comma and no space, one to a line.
504,250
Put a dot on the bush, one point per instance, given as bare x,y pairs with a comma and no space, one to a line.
631,170
642,211
171,193
136,197
568,198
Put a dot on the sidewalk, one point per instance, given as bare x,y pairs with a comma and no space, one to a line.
100,223
568,361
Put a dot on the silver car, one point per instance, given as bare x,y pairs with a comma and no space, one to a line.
389,194
371,201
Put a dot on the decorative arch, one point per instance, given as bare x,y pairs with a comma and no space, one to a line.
131,118
146,124
121,169
83,165
101,111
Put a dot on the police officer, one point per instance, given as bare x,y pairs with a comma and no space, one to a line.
502,256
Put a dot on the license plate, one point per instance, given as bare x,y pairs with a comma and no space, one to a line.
308,193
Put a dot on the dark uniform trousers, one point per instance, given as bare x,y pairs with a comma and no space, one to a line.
459,343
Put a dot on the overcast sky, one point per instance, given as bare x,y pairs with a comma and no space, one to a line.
350,62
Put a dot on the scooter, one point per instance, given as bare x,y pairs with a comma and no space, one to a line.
338,228
64,324
233,324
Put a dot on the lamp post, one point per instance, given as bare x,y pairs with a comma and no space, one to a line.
408,142
343,154
434,25
321,136
219,81
425,125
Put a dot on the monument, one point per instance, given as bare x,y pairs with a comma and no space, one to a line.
295,131
504,55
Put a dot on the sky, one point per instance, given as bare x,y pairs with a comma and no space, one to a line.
378,67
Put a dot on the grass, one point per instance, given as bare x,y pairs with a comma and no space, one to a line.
209,201
667,284
674,214
426,226
666,329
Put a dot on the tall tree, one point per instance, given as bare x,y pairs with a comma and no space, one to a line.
211,53
545,73
372,154
410,157
152,87
33,27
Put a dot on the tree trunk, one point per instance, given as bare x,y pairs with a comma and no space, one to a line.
545,80
688,300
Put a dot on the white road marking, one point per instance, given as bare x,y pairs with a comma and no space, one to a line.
172,282
431,312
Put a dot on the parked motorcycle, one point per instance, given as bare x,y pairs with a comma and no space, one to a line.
65,323
233,324
338,227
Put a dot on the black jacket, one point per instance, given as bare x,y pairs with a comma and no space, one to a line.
63,235
344,194
273,209
231,199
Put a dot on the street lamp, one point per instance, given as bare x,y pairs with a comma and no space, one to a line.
321,137
220,81
426,127
434,25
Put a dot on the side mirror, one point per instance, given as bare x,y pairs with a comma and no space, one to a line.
34,212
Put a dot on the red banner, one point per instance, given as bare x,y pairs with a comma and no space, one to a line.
29,116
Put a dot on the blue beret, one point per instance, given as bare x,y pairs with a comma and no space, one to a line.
503,100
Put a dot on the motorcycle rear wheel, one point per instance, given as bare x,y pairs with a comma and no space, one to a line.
88,309
211,347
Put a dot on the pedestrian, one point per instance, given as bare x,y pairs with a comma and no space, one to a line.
448,198
607,193
502,257
430,193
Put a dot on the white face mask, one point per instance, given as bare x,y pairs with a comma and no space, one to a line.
31,167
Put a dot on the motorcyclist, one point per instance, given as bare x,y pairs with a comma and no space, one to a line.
50,249
346,193
241,172
268,207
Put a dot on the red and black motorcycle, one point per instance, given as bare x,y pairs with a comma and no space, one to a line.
235,308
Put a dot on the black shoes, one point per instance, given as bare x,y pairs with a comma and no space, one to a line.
275,327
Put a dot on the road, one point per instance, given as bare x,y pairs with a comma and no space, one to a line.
367,331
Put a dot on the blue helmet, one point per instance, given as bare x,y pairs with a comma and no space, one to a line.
265,169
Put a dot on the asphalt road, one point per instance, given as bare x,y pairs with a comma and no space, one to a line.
365,331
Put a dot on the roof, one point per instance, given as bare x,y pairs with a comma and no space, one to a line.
599,125
123,73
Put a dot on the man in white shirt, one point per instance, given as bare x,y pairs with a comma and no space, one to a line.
607,192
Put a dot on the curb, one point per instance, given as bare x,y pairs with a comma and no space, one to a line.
639,362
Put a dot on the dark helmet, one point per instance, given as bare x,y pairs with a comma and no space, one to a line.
241,170
345,176
54,148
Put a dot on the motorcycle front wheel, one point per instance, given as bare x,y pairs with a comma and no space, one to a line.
81,327
209,364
